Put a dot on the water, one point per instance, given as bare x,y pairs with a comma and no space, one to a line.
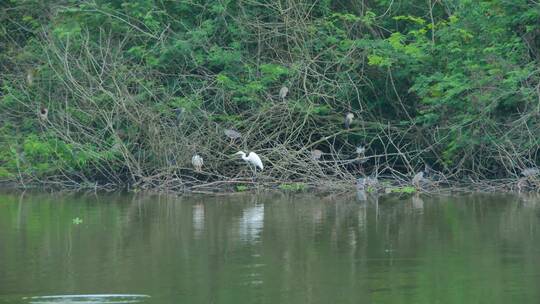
114,248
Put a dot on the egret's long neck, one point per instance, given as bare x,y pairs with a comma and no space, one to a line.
242,154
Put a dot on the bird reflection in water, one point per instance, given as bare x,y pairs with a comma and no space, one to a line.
251,223
418,203
198,219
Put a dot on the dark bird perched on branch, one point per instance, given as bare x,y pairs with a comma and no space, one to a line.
529,172
30,77
283,92
179,112
417,179
361,154
367,183
232,134
197,162
43,113
421,177
528,179
316,154
361,184
348,120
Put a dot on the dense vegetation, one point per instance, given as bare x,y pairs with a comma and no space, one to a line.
134,88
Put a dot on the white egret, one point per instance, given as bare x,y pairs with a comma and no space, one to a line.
348,120
252,159
197,162
283,92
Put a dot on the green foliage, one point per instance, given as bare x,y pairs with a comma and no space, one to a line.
293,187
456,80
406,189
242,188
5,174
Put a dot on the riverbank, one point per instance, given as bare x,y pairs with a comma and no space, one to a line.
383,186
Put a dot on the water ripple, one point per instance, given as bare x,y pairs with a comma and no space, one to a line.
88,299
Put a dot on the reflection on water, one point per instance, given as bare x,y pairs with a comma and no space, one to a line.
530,200
88,299
198,219
417,203
251,223
361,195
269,248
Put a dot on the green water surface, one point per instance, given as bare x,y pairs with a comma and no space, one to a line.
270,248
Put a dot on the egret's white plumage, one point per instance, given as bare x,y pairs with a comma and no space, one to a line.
252,159
197,162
